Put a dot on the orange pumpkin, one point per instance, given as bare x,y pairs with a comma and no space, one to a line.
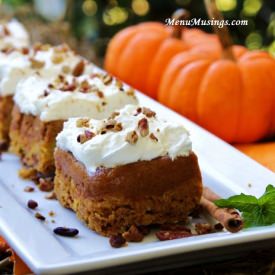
264,153
139,54
232,96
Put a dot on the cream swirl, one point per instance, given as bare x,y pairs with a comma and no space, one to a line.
96,95
132,134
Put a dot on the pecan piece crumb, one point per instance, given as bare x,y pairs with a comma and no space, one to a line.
143,127
32,204
153,137
133,234
82,138
107,79
117,241
79,68
28,189
148,112
36,64
132,137
39,216
82,122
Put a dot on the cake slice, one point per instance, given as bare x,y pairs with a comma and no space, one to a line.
133,168
18,63
42,105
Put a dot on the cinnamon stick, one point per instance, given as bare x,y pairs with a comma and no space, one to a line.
228,217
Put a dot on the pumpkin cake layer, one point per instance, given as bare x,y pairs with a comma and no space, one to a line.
42,105
130,169
6,105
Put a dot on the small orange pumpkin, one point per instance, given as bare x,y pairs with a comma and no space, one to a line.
232,96
139,54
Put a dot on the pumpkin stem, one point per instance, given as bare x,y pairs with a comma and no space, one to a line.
179,14
222,33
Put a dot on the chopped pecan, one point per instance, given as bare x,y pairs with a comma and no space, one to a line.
57,58
25,50
107,79
143,127
133,234
32,204
28,189
148,112
165,235
36,64
113,115
130,92
117,241
82,122
100,94
79,68
119,85
85,86
66,69
39,216
203,228
6,30
85,137
51,214
132,137
153,137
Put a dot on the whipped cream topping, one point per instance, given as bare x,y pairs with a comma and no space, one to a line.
131,134
96,95
13,34
45,60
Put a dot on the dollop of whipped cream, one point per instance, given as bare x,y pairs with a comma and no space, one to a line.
96,95
13,34
129,135
45,60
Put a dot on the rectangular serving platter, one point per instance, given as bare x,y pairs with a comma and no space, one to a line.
224,169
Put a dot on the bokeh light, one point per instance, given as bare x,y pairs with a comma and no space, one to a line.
140,7
251,7
183,2
115,16
254,41
226,5
271,48
89,7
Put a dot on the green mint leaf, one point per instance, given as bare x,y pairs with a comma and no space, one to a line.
255,212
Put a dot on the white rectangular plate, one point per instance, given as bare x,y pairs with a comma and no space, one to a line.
225,170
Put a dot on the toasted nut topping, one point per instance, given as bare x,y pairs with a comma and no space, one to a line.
6,30
147,112
100,94
130,92
153,137
32,204
51,214
85,137
85,86
114,114
39,216
44,47
36,64
82,122
57,58
117,241
203,228
79,68
25,50
133,235
66,232
119,85
107,79
132,137
66,69
143,127
28,189
118,127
